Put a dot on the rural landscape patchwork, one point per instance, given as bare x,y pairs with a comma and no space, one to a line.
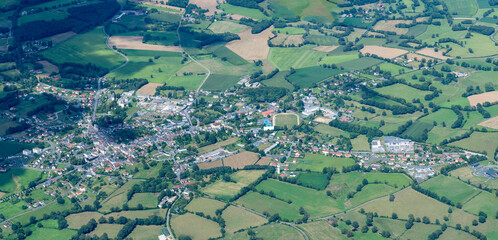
248,119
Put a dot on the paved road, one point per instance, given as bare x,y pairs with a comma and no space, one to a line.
168,216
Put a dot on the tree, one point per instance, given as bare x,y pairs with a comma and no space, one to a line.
60,200
391,198
355,224
364,229
394,216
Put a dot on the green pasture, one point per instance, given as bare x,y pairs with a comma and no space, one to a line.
263,203
321,230
360,63
316,203
226,26
194,226
307,77
247,12
439,133
205,205
466,8
279,81
237,218
219,82
332,131
14,179
479,141
148,200
317,162
275,231
484,201
294,57
403,91
146,232
335,59
111,230
83,49
360,143
316,180
226,190
289,30
56,234
392,68
456,191
145,64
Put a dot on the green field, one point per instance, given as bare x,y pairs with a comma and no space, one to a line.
50,15
315,180
148,200
306,77
335,59
466,174
111,230
8,148
403,91
393,68
75,221
226,190
360,64
275,231
332,131
225,54
316,203
42,233
479,141
265,204
295,57
416,130
456,191
484,201
183,225
237,218
205,205
14,179
279,81
143,64
83,49
311,10
138,213
286,120
462,7
289,30
247,12
321,39
360,143
217,82
321,230
146,232
317,163
117,198
226,26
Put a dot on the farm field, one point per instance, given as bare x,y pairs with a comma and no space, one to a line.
156,71
242,11
484,201
146,232
12,180
75,221
321,230
315,180
205,205
263,203
479,141
182,226
306,77
295,57
240,160
138,213
460,192
360,143
275,231
83,49
147,200
111,230
226,190
335,59
316,203
237,218
465,174
464,8
402,91
317,163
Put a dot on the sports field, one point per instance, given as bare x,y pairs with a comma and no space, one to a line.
83,49
286,120
317,162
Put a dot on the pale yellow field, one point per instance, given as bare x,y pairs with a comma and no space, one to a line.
135,42
385,52
325,48
431,53
490,123
240,160
207,165
148,89
390,25
157,4
251,46
208,5
491,97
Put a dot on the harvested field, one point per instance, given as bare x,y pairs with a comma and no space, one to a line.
490,123
61,37
390,25
322,120
264,161
48,67
251,46
240,160
208,165
325,49
419,58
157,4
209,5
135,42
491,97
384,52
148,89
431,53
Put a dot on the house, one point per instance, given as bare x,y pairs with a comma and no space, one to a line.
492,173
